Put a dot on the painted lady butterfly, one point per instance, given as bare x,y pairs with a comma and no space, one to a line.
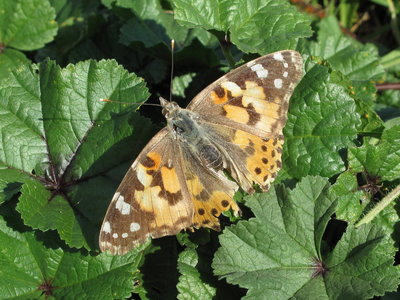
177,181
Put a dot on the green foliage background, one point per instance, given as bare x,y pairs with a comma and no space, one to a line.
327,229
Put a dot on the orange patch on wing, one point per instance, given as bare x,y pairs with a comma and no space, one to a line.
265,162
206,212
195,186
156,158
219,100
236,113
170,180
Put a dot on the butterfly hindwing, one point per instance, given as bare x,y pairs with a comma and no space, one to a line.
211,191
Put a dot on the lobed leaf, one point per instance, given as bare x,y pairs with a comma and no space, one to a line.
33,270
276,255
261,26
58,126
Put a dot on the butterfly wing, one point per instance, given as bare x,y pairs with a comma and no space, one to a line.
211,192
151,200
245,111
254,97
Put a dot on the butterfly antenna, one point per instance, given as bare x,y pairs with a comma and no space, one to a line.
172,70
129,103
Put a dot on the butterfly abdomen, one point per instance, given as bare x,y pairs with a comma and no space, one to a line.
211,156
191,134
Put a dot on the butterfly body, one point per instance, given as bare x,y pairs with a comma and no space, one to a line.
187,128
178,181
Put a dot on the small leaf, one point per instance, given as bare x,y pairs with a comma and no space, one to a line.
382,160
359,62
10,59
40,209
191,284
351,200
26,25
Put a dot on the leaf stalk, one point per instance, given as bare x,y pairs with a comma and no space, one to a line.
380,206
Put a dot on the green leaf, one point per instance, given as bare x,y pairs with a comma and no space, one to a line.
359,62
322,120
191,284
61,274
351,200
10,59
391,59
40,209
361,265
56,125
382,160
10,182
26,25
152,25
256,26
276,254
22,132
281,242
181,83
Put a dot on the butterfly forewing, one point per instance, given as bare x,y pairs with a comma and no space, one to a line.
253,97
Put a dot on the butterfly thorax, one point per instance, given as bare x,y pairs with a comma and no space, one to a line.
186,127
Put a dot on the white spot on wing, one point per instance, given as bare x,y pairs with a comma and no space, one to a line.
134,226
233,88
278,83
278,56
285,65
259,69
115,235
121,205
285,74
124,235
107,227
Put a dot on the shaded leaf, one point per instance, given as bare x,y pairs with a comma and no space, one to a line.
191,284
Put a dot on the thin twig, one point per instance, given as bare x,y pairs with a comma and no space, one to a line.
388,86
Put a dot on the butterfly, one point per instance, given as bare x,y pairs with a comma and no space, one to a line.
177,182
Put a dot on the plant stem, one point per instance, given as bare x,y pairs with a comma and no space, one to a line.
227,53
380,206
394,23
